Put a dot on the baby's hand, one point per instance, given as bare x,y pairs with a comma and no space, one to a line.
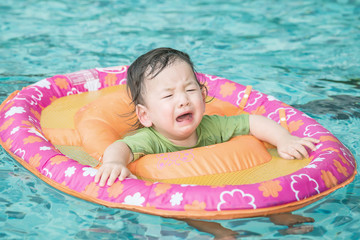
294,147
110,171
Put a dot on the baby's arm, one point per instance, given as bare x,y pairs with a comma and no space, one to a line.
115,160
288,146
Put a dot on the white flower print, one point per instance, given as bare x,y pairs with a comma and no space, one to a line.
176,199
15,129
14,110
70,171
45,148
136,200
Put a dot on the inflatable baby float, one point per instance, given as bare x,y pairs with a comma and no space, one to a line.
59,127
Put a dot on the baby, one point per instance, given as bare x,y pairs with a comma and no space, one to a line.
170,103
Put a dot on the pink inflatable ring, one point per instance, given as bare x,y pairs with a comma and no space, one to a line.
330,167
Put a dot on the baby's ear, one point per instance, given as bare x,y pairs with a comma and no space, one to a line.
204,93
143,116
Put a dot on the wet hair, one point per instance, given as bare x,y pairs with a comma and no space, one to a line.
148,66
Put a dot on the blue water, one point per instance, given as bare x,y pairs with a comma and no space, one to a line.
305,53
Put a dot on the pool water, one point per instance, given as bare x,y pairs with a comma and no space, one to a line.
305,53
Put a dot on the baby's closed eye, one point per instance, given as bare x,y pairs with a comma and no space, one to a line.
167,96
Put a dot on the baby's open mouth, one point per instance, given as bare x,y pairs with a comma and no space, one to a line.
186,116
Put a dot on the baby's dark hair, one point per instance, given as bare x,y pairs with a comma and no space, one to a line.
149,65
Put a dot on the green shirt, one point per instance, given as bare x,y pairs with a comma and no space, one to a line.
211,130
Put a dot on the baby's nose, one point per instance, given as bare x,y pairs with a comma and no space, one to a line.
183,100
184,104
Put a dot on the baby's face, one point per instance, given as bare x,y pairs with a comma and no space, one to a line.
174,104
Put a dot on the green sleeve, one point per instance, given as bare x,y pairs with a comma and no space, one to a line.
140,143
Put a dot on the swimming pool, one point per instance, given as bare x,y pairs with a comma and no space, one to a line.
305,53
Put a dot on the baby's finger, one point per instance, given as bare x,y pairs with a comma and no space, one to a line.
314,140
104,176
285,156
302,150
124,173
114,174
308,144
97,176
295,153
